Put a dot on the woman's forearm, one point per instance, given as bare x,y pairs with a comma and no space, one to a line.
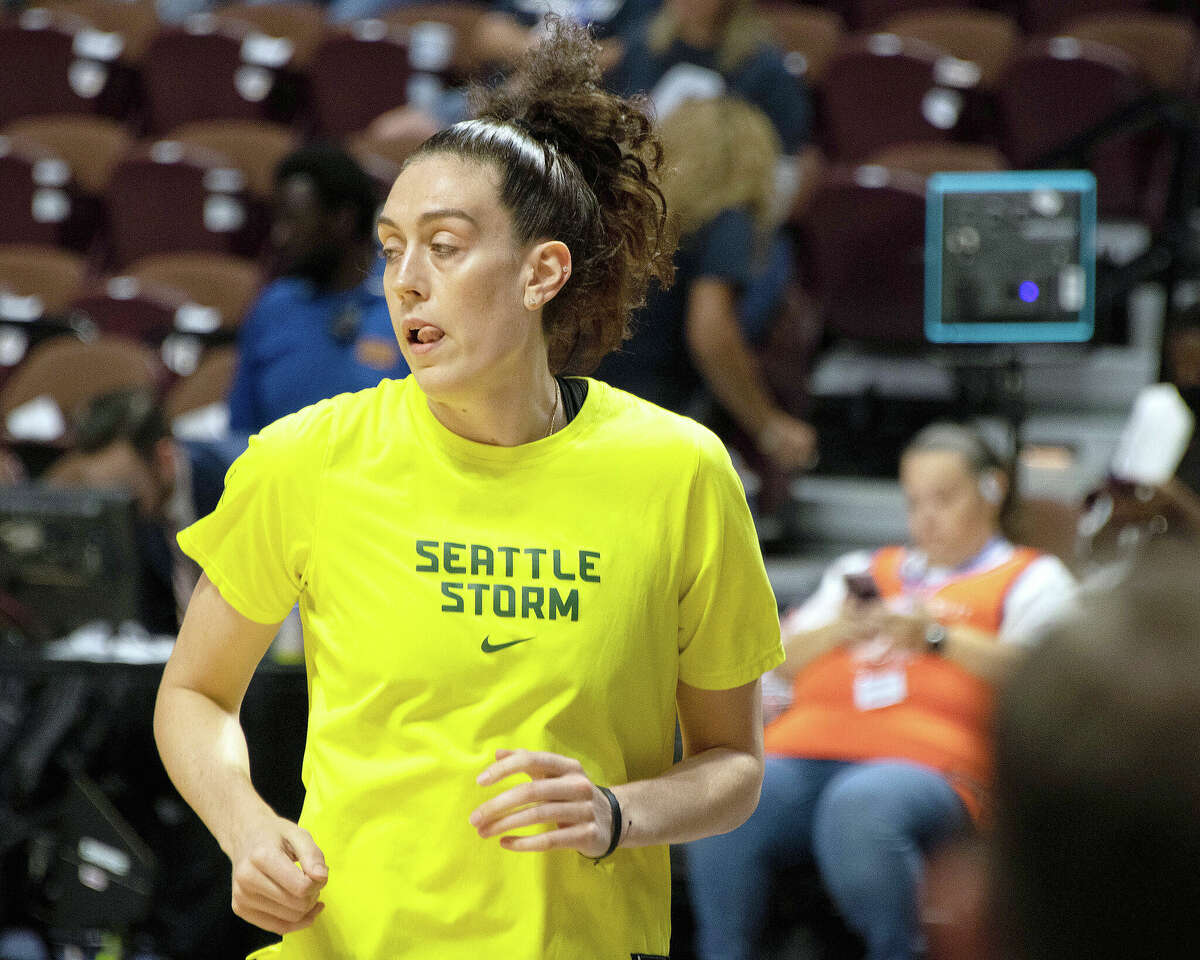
712,792
803,647
204,751
980,653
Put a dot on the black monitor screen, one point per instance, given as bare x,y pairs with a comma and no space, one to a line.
69,556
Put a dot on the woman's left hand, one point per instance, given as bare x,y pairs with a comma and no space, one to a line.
559,793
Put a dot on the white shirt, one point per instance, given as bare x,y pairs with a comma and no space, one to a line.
1042,594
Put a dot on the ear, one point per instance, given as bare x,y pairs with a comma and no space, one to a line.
549,268
993,487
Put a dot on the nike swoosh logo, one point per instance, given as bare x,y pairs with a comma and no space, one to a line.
487,647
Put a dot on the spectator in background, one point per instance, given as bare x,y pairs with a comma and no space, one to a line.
721,155
698,49
1097,831
500,36
322,328
122,441
884,752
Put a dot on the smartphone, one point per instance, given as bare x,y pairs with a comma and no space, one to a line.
862,586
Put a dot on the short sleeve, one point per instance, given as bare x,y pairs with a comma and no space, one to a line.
723,248
1045,593
728,619
255,546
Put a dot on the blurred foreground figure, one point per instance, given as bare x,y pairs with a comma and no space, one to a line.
1097,835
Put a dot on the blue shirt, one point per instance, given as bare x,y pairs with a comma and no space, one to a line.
655,363
760,79
298,346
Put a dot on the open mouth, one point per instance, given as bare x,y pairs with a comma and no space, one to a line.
422,333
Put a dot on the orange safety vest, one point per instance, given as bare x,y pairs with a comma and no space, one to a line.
942,721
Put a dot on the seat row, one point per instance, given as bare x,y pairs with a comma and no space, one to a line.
274,62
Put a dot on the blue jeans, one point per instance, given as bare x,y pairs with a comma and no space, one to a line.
866,825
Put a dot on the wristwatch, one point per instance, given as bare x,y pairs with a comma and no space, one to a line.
935,638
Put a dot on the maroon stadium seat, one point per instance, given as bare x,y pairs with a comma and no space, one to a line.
39,201
1045,16
124,306
1060,87
61,374
440,36
53,276
864,231
1165,46
357,74
166,196
872,14
205,70
300,24
227,284
55,62
881,88
808,36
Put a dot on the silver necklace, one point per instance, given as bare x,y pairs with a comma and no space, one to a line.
554,412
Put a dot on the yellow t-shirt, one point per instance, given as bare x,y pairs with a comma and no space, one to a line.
458,598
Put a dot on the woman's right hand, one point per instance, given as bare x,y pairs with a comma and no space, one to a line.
278,874
789,443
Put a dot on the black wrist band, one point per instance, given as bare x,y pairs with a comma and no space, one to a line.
614,807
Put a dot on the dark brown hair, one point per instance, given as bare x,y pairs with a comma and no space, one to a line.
578,165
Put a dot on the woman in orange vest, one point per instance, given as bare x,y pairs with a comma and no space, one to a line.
884,750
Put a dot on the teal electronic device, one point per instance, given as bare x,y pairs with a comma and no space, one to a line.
1010,257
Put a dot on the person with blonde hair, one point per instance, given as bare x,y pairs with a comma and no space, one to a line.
721,157
700,49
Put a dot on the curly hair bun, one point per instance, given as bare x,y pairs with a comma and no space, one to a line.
582,166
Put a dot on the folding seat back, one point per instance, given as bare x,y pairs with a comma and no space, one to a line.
166,196
864,233
53,63
60,375
357,74
881,89
204,70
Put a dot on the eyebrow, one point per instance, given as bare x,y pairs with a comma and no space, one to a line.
441,214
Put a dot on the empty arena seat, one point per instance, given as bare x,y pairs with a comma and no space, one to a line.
1165,46
440,37
227,284
864,232
1046,16
985,38
49,275
872,14
59,375
197,403
56,62
808,36
881,88
357,74
206,70
166,196
124,306
255,147
39,201
1058,88
91,145
929,158
299,26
